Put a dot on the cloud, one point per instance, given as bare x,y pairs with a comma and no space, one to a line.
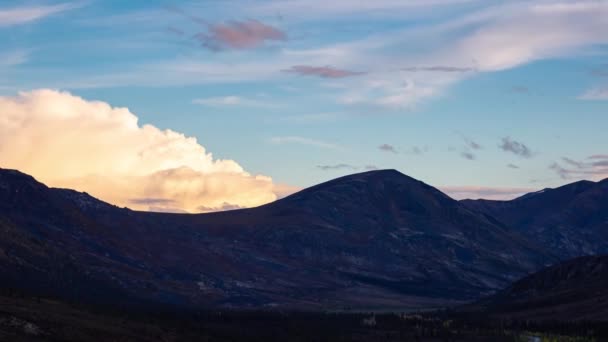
347,167
573,162
601,71
67,141
337,167
439,68
594,167
151,201
232,101
321,8
311,118
515,147
238,35
595,94
13,58
303,141
324,72
512,34
512,166
492,193
520,89
471,144
387,148
468,155
26,14
417,150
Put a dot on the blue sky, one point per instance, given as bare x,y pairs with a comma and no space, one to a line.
481,98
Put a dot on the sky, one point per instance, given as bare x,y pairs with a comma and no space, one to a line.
201,106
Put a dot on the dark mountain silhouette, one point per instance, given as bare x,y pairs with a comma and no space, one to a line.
570,221
377,239
573,290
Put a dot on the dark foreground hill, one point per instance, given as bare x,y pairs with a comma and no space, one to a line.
375,240
576,290
571,220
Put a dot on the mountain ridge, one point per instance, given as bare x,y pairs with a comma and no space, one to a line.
375,239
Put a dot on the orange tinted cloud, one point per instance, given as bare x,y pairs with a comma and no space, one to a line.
66,141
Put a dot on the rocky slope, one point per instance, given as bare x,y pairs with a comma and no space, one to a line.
377,239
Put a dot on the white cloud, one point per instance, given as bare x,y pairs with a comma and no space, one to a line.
321,8
303,141
484,37
22,15
9,59
67,141
232,101
595,94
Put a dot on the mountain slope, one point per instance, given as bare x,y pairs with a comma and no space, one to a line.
571,220
573,290
371,240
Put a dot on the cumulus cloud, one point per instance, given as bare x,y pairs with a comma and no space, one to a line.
324,71
246,34
595,94
67,141
515,147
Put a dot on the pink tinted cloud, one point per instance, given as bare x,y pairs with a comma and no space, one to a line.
324,72
239,35
492,193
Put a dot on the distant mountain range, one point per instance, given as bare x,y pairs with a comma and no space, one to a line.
568,221
374,240
573,290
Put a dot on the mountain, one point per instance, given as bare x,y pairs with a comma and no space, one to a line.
378,239
570,221
573,290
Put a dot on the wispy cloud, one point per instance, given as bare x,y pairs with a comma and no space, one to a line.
337,167
477,192
232,101
439,68
387,148
595,94
470,143
303,141
417,150
13,58
520,89
467,155
322,8
25,14
595,166
346,167
512,166
515,147
324,71
246,34
311,118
